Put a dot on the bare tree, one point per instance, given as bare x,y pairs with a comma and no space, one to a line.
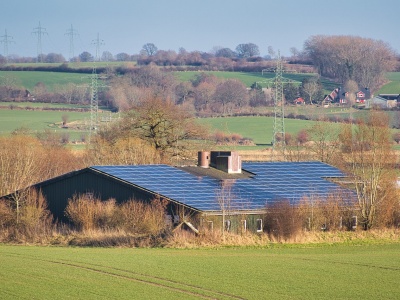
324,137
166,127
231,93
351,57
368,153
149,49
271,52
225,199
352,88
311,88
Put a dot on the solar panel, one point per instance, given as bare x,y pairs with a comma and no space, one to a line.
271,182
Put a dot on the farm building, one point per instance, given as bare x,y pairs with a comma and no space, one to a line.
220,187
381,102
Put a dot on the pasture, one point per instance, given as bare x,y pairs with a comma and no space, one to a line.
38,120
248,78
28,79
339,271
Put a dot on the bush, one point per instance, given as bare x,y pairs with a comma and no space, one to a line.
133,216
396,137
303,137
333,213
88,213
142,217
6,214
25,218
283,220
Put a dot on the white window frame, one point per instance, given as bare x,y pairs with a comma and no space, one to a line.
259,223
244,225
227,225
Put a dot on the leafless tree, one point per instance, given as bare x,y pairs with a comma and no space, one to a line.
231,93
149,49
351,57
367,151
311,88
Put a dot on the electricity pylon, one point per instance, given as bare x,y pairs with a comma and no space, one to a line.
94,87
71,32
278,135
39,31
6,41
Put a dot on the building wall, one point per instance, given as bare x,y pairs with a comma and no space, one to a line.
239,223
58,192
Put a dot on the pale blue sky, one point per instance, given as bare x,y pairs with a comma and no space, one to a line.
126,25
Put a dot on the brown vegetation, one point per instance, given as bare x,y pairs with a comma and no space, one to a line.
135,217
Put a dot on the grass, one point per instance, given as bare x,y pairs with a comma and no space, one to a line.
39,120
303,272
248,78
28,79
259,129
43,105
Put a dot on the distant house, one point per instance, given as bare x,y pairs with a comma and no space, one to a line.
339,95
363,95
299,101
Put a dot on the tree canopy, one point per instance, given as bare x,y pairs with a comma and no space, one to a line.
351,58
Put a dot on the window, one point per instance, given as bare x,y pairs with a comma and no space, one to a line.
259,225
89,195
210,225
176,219
244,225
354,222
227,225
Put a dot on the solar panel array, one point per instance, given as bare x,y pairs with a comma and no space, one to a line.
272,181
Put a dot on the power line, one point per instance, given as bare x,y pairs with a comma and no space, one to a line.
71,32
39,31
6,41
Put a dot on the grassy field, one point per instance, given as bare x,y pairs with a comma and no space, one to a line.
248,78
259,129
37,121
314,272
28,79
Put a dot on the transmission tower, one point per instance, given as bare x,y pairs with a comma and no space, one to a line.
94,87
39,31
278,138
71,32
6,41
278,135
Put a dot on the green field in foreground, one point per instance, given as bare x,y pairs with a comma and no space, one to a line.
341,271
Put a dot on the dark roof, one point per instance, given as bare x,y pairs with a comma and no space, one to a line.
261,183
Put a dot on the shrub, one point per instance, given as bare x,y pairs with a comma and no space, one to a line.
333,213
396,137
143,217
6,214
133,216
26,219
283,220
88,213
35,218
303,137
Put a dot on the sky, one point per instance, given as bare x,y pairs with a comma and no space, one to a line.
126,25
